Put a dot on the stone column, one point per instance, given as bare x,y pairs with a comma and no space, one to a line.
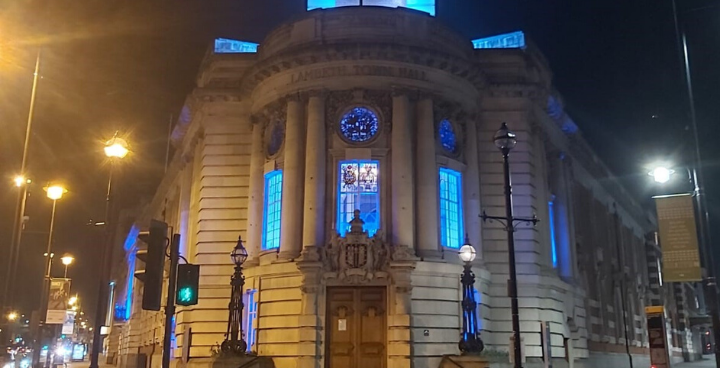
428,242
292,187
256,195
314,215
402,185
472,187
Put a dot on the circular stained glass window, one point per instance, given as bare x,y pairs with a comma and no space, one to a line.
359,125
275,139
447,136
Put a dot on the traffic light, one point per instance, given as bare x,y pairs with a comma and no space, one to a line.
188,278
156,240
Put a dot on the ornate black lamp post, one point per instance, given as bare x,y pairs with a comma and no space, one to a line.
505,140
234,342
470,341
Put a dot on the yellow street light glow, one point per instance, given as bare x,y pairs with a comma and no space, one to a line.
19,180
12,316
74,307
116,148
67,259
73,300
55,192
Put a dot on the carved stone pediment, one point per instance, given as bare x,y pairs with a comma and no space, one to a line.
358,258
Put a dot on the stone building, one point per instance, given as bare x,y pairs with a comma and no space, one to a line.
352,151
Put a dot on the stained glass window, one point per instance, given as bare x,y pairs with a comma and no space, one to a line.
358,189
272,209
447,136
277,134
359,125
451,215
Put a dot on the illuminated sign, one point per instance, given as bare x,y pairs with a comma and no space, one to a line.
226,46
515,40
426,6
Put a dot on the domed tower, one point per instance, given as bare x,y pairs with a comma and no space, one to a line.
352,151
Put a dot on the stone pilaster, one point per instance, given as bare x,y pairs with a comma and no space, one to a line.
292,188
428,244
400,309
403,212
471,183
256,195
310,320
314,209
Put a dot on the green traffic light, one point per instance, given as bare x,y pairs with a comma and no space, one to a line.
185,295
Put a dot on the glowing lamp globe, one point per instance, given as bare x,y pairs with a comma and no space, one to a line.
467,253
239,254
504,139
661,174
116,148
55,192
67,259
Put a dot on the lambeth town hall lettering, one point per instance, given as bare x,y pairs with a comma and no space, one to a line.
358,70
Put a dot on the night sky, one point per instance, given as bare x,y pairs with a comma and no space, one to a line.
128,64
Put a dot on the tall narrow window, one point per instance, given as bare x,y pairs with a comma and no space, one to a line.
358,189
271,210
451,214
250,317
553,239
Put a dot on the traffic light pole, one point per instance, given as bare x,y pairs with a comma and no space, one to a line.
170,304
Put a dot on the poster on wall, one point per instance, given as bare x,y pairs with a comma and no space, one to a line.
678,238
57,301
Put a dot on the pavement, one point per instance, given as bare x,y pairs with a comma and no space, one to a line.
707,362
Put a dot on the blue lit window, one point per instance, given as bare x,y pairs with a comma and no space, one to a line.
427,6
272,208
359,125
358,189
514,40
226,46
250,317
551,225
446,131
451,215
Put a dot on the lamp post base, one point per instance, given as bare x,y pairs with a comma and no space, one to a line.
238,348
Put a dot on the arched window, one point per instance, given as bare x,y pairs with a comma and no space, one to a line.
272,207
358,189
451,214
448,139
359,125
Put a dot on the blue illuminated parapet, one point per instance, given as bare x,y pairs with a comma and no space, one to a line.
515,40
426,6
227,46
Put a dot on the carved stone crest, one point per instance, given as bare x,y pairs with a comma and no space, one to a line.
356,258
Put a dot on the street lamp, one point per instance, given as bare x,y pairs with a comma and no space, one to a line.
73,300
67,260
470,341
115,150
505,140
12,316
662,175
234,342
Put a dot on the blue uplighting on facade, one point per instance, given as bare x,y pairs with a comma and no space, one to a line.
131,256
425,6
131,238
515,40
227,46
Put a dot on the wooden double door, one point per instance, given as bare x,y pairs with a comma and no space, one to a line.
356,327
